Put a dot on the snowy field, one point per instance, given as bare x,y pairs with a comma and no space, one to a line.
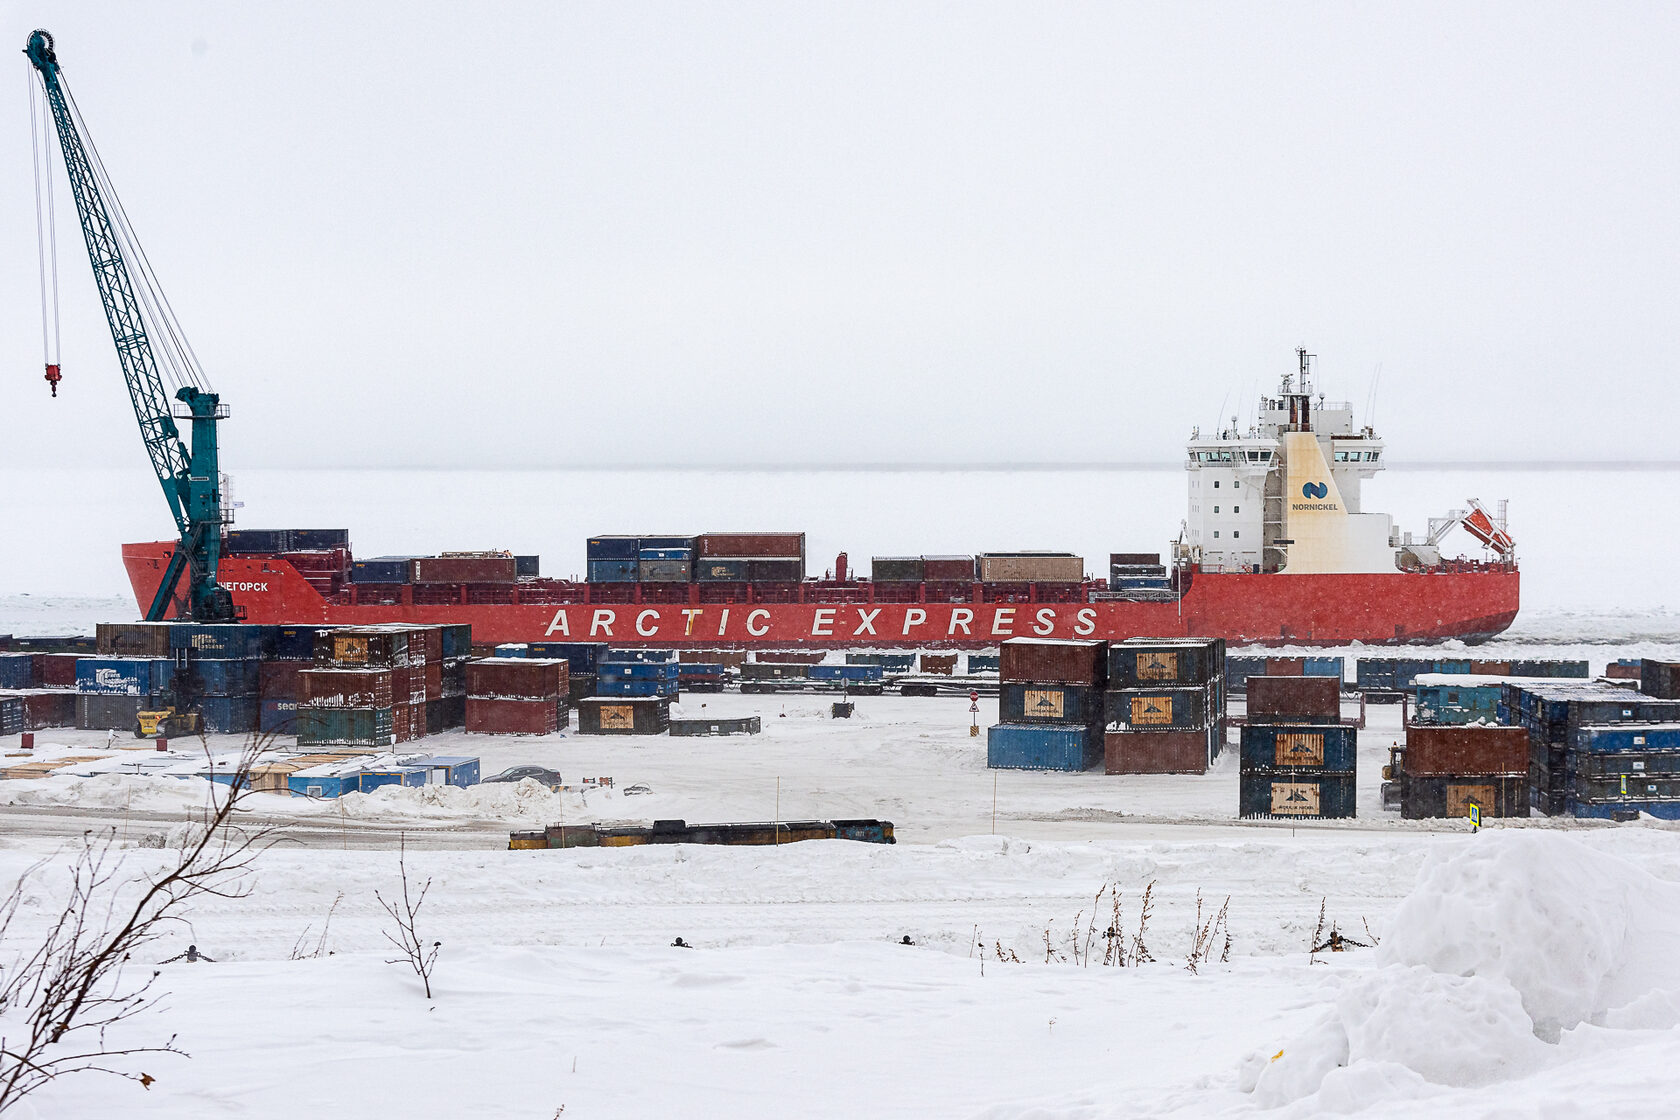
1526,970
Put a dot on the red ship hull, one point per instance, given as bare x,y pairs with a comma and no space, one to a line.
1469,602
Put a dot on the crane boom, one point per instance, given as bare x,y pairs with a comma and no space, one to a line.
190,476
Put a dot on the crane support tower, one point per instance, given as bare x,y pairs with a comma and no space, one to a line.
190,475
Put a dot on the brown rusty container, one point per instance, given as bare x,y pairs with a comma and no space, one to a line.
1013,568
1285,666
1054,660
132,639
1134,559
511,717
944,664
425,644
345,688
278,680
1491,668
463,569
43,709
58,670
948,569
518,678
751,545
1660,679
1621,672
1294,699
1440,751
728,658
1157,752
362,647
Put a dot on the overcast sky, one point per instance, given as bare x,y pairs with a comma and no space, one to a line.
555,233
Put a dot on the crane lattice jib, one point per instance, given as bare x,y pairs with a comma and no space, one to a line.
170,458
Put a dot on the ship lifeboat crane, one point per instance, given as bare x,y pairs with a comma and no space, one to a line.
151,350
1479,523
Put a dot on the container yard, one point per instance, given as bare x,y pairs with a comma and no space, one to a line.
778,626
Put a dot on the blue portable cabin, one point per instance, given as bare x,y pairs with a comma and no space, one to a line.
408,777
460,771
333,779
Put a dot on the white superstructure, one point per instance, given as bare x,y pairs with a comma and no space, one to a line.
1284,495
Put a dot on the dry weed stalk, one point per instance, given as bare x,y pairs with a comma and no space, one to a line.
419,956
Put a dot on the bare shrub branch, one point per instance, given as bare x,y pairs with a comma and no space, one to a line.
419,956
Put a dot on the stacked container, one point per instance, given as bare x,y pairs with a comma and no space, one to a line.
1050,705
1165,708
351,695
111,692
701,676
622,675
1446,768
583,659
517,695
448,709
218,674
624,715
1298,759
1571,727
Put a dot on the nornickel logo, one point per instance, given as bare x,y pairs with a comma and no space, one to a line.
1315,490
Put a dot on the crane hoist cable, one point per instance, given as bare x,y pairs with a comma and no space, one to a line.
46,235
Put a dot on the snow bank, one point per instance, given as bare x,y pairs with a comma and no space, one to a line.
1506,942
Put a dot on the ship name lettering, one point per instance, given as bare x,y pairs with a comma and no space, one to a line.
602,623
758,631
1003,617
915,616
960,616
246,586
1046,623
1085,622
559,625
822,623
866,621
643,617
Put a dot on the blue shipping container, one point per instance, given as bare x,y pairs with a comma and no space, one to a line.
846,672
513,649
1458,704
407,776
382,569
11,715
324,785
690,543
451,770
278,717
613,571
677,554
1608,810
1623,737
639,670
611,548
230,714
634,686
1042,746
1331,748
700,669
226,678
1321,667
289,643
653,656
17,670
123,676
217,640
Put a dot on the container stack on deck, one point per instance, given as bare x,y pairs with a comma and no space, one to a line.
1239,669
517,695
1165,708
1299,759
1050,704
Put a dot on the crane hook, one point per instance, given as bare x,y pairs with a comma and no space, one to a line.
53,377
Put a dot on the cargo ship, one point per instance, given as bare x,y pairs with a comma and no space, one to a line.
1276,549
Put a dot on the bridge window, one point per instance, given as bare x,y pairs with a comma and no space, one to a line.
1236,509
1236,533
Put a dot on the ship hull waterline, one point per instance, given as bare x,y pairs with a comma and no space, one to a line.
1326,609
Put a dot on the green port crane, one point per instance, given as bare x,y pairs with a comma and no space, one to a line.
144,329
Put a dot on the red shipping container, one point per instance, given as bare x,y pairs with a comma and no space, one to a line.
48,709
943,664
464,569
425,644
1156,752
278,680
1446,751
58,670
511,717
1294,699
1285,666
941,569
520,678
1491,668
433,671
322,561
759,545
1054,661
345,688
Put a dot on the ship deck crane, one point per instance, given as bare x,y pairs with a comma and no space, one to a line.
150,348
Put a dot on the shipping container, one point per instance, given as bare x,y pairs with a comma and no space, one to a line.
624,716
613,571
775,571
278,717
1490,668
68,643
1622,809
520,678
712,570
20,670
1332,748
1322,667
664,571
58,670
981,662
1049,659
948,569
607,684
862,674
347,688
612,548
1294,699
1451,796
1549,667
1159,752
266,542
11,715
1591,738
289,643
527,567
316,539
229,714
1296,796
639,670
363,647
41,708
940,664
1440,751
219,677
133,639
383,569
899,569
1239,669
1054,567
1160,709
773,671
1020,702
463,569
647,554
1042,746
1286,666
348,726
751,545
1146,663
1660,679
104,712
741,725
511,717
123,676
218,640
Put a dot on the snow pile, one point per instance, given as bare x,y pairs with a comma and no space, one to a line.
1505,944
